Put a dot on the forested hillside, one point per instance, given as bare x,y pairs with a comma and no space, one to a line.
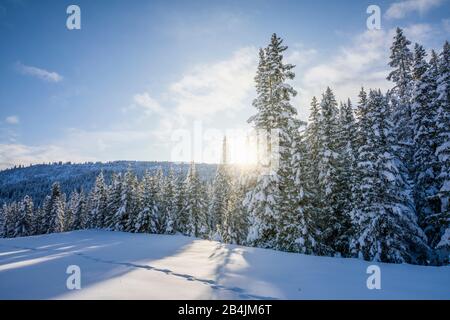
36,180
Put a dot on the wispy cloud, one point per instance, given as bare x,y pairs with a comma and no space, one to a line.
15,153
401,9
147,103
42,74
363,62
420,32
85,145
214,92
211,88
12,120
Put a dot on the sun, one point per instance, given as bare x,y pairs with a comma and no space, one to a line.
242,151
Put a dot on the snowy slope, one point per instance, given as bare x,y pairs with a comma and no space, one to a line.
118,265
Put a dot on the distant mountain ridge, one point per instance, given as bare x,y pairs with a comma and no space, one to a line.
36,180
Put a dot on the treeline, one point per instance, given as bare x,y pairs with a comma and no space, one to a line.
36,180
157,203
369,181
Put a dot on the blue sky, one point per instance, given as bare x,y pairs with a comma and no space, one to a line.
139,74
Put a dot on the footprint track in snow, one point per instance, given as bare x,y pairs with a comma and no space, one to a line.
211,283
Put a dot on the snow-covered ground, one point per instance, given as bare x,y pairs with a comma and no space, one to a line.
117,265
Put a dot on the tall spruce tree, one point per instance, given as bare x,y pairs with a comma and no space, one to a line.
234,226
54,211
148,217
69,212
401,60
125,216
305,232
24,221
426,167
333,222
195,205
78,204
99,203
114,201
442,220
345,179
308,169
182,219
165,221
10,213
169,203
260,201
273,204
220,193
2,220
385,221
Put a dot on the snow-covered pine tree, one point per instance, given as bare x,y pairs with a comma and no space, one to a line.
273,203
148,217
363,124
307,169
78,204
3,221
220,193
125,217
293,222
164,218
28,207
443,248
260,205
260,201
159,180
169,203
182,219
185,219
361,111
424,112
11,213
401,60
347,144
43,217
195,208
286,124
443,149
313,130
114,201
348,135
71,208
333,221
385,221
39,220
304,226
54,210
121,214
234,226
99,202
24,220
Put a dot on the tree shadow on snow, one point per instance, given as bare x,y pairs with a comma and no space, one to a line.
35,267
